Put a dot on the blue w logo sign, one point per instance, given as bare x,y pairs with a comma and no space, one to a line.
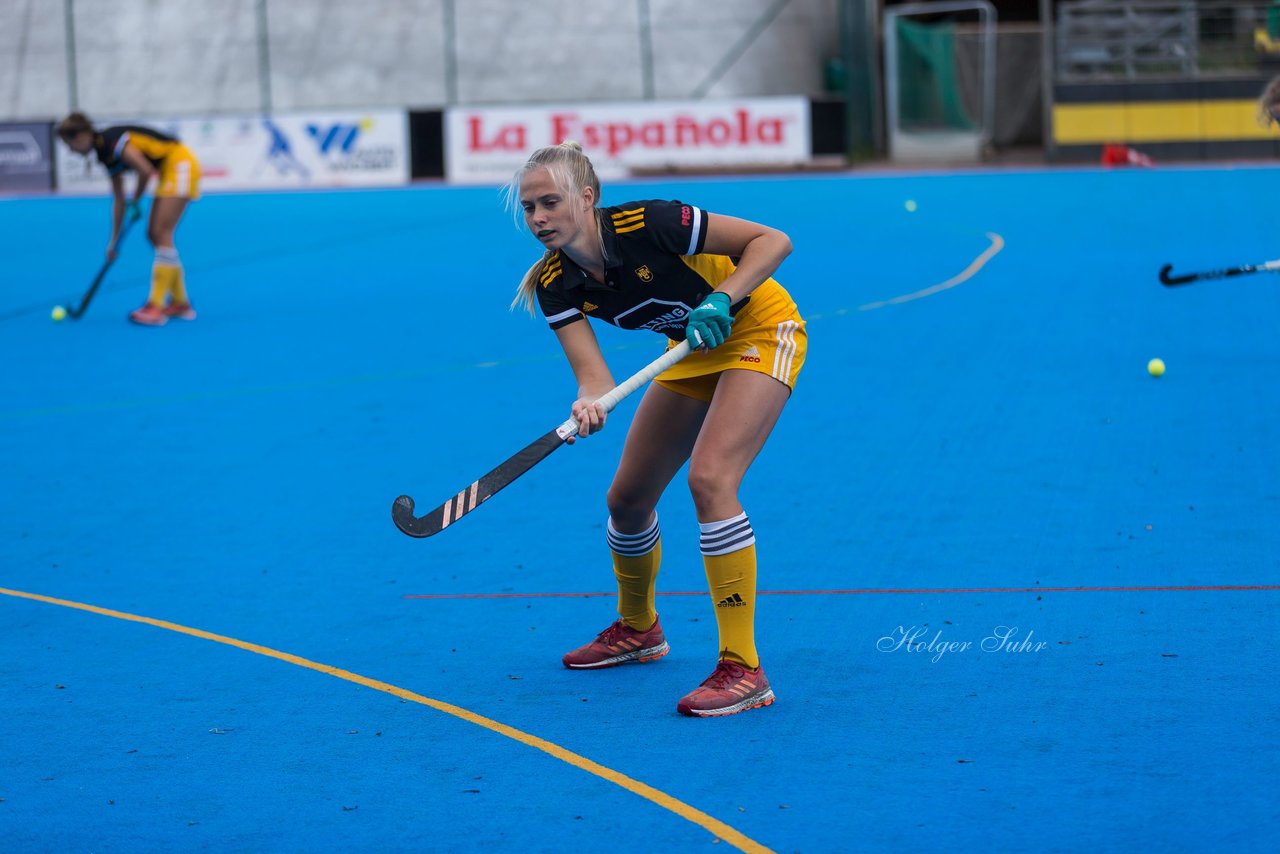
337,137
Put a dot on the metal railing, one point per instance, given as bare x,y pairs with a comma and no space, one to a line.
1136,39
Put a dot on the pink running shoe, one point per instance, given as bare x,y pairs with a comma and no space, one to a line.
730,689
180,311
619,644
149,315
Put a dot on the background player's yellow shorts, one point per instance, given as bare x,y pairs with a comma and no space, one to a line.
179,175
768,337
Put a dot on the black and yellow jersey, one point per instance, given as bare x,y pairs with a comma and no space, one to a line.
154,145
655,274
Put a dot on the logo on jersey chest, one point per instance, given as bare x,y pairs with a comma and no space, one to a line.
644,273
655,315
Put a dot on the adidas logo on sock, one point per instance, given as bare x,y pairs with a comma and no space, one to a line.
734,601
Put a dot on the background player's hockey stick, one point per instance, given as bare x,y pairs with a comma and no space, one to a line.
74,311
1168,279
483,489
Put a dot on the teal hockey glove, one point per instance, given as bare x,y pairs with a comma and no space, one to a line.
710,322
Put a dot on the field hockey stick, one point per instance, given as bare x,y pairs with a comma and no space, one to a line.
483,489
74,312
1170,280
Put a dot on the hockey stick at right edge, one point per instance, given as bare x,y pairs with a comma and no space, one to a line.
482,490
1169,280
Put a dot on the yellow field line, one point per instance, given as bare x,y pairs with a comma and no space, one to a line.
997,243
713,826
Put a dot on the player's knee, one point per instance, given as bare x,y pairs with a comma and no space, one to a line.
628,510
709,487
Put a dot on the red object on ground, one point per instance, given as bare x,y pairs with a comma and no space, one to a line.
1116,154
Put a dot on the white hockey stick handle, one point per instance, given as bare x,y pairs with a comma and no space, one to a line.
614,396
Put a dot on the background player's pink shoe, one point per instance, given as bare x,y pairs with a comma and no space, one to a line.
149,315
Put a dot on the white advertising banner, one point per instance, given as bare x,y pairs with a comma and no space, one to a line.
485,145
329,149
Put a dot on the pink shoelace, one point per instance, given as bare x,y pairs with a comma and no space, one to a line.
612,633
726,673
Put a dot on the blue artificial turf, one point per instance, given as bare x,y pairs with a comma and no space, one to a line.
235,475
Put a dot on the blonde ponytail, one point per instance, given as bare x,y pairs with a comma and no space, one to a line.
525,294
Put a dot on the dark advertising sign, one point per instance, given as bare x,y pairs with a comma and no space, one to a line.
26,156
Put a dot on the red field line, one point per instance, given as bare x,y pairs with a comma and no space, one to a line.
873,591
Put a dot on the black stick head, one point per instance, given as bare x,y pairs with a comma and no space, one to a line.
402,515
432,522
1169,280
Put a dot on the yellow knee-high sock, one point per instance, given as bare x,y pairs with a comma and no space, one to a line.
636,558
161,284
179,289
729,556
165,271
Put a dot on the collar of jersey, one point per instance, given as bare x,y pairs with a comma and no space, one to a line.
612,260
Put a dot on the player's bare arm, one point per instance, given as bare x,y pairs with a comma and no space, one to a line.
140,164
760,250
590,370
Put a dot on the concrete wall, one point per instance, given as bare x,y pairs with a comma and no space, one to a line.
148,57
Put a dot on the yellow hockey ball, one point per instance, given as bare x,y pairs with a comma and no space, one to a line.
58,313
1155,367
910,205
